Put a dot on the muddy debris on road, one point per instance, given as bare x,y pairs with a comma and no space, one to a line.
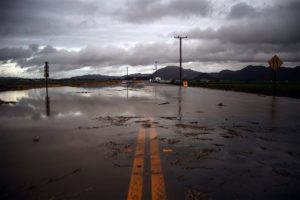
189,126
46,181
90,127
193,134
36,138
204,152
116,149
169,118
164,103
118,120
231,133
7,102
173,141
194,194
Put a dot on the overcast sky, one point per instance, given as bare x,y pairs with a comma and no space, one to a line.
81,37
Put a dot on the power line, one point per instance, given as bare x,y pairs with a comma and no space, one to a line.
180,55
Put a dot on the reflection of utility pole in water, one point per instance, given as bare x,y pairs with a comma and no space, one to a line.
47,104
46,74
47,99
273,114
127,91
275,62
155,94
179,103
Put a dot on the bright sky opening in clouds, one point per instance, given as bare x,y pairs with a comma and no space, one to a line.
80,37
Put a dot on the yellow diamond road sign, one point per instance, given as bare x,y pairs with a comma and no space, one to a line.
275,62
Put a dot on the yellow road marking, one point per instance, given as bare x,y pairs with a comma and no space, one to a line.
135,191
158,191
157,178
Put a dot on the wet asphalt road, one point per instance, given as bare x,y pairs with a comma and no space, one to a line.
148,141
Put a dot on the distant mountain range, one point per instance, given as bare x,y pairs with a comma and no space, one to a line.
105,78
257,73
249,73
172,72
94,77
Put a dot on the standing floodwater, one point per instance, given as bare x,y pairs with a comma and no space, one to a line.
212,144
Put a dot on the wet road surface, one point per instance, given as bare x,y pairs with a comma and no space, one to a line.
148,142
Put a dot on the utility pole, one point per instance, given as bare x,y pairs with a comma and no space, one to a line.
180,55
46,74
156,68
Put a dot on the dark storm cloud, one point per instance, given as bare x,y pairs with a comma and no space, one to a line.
14,53
272,25
248,33
43,18
100,56
139,55
34,47
63,61
241,10
138,11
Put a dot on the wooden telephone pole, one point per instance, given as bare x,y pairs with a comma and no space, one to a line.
180,56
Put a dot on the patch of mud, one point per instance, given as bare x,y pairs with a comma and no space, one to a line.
203,139
190,161
75,195
267,139
169,118
197,167
169,141
195,194
83,92
46,181
118,120
147,125
7,102
143,121
199,111
90,127
193,134
204,152
164,103
189,126
116,149
281,171
231,133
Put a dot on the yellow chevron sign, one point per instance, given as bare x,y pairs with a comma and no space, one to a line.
275,62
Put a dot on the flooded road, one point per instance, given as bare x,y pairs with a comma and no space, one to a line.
148,142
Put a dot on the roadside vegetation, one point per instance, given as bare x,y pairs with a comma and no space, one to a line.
284,88
24,84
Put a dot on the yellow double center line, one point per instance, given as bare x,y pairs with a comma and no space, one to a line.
158,191
135,191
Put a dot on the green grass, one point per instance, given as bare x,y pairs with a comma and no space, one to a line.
24,84
290,89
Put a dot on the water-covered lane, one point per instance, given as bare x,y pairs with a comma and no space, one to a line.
213,144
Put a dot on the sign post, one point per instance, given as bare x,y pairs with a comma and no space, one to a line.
185,83
275,62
